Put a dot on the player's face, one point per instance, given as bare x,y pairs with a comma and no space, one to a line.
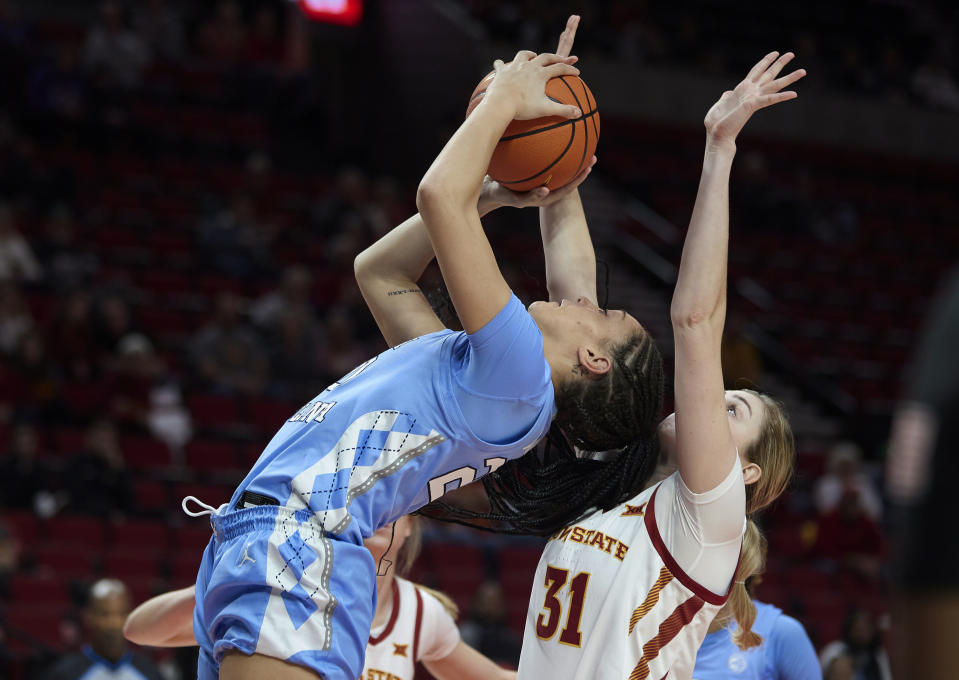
745,411
582,321
388,540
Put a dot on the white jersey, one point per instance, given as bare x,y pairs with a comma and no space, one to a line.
419,629
610,602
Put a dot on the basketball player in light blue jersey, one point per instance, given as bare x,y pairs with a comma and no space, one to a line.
286,589
786,652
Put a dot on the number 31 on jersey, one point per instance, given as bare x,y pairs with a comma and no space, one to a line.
549,619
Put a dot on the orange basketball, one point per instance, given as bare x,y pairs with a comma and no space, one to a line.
545,151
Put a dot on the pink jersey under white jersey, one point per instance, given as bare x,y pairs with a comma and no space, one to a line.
609,602
419,629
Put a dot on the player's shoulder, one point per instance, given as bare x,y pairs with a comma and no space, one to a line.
70,666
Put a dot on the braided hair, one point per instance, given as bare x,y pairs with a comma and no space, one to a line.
557,485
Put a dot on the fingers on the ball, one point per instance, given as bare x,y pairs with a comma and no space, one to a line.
762,65
524,55
548,58
498,64
561,69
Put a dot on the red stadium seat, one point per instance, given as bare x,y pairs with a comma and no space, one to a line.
212,411
35,622
210,455
87,533
152,496
143,536
39,590
144,453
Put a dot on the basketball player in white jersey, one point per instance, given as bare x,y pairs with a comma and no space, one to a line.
630,592
412,624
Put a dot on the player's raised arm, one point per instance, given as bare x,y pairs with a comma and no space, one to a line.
448,194
570,259
705,448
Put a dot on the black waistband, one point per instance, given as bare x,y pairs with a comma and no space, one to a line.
250,499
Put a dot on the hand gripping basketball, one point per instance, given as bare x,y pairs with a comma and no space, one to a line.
553,149
523,83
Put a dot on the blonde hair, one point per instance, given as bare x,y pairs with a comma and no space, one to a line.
411,548
408,554
739,605
774,451
443,598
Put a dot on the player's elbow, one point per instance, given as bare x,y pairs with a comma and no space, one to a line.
432,195
684,317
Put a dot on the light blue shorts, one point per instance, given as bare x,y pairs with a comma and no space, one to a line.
271,582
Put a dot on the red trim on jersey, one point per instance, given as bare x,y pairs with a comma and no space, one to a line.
393,616
684,578
419,620
681,617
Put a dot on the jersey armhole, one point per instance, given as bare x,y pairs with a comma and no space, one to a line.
674,568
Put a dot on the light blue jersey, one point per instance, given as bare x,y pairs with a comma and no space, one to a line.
293,580
786,652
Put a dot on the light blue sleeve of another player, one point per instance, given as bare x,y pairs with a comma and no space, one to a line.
504,381
794,657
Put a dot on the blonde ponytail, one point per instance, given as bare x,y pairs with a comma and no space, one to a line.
443,598
740,605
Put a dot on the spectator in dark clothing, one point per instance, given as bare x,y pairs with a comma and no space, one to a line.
114,321
113,51
71,337
35,379
69,262
862,643
106,655
487,629
22,473
228,356
97,480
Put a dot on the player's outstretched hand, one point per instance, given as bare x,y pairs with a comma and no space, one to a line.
759,89
522,82
494,195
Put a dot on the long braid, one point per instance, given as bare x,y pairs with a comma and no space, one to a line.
558,484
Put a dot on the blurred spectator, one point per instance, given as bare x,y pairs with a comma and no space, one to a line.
9,559
934,84
160,26
293,296
96,479
15,318
264,44
17,262
487,628
344,351
23,474
106,655
69,262
845,473
228,356
71,337
223,36
296,357
848,537
36,377
840,668
113,51
862,643
113,322
58,86
234,241
145,394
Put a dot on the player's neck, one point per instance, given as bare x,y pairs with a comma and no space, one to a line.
384,598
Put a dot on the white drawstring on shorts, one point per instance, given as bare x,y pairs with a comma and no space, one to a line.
207,509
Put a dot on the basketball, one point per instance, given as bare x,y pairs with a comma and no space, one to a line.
547,151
